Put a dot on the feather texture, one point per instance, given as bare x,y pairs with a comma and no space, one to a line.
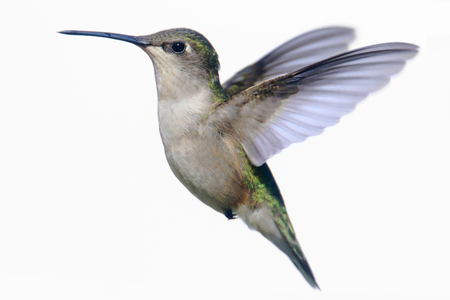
295,54
290,108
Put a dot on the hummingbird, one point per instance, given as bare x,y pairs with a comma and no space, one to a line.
218,137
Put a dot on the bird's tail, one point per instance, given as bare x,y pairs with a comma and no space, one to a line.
270,218
291,247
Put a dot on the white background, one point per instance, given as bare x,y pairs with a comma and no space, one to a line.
89,208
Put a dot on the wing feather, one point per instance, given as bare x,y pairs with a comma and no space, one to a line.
296,53
290,108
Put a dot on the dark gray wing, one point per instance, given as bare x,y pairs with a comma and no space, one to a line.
295,54
288,109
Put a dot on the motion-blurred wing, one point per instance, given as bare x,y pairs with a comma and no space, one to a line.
295,54
290,108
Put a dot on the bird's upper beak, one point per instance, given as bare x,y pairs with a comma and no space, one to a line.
121,37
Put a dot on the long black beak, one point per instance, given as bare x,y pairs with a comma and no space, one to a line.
121,37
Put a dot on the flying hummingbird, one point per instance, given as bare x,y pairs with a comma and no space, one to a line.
218,137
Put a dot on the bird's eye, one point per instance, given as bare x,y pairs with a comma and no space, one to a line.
178,47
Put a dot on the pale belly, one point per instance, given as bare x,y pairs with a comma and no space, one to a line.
210,168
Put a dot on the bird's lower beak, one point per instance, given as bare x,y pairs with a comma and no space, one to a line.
121,37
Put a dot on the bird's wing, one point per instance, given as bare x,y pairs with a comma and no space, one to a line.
287,109
295,54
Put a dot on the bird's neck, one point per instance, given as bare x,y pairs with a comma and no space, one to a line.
218,94
182,110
